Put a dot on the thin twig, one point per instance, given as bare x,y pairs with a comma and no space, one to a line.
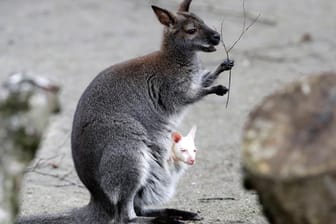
222,40
243,32
59,177
227,50
44,162
235,14
228,58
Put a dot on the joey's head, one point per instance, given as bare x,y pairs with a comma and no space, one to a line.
184,149
186,31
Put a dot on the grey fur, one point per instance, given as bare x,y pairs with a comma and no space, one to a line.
123,123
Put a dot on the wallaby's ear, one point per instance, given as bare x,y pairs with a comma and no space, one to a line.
184,6
176,137
192,132
165,17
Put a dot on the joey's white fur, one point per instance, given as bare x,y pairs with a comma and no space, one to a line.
183,148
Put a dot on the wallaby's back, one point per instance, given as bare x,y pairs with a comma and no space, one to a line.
131,101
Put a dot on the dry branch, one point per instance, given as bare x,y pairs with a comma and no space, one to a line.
61,178
227,50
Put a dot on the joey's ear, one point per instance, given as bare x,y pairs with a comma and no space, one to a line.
176,137
165,17
184,6
192,132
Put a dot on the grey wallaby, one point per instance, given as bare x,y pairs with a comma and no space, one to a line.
122,127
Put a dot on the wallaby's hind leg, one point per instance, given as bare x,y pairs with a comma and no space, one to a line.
157,220
123,170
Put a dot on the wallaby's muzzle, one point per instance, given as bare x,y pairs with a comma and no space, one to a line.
212,41
215,38
209,38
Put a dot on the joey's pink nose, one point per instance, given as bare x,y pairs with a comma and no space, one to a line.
191,162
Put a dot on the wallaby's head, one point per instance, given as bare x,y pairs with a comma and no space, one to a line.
184,149
185,30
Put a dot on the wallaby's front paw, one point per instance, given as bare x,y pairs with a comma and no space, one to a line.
220,90
227,64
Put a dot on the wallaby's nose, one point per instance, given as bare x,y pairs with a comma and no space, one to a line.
215,38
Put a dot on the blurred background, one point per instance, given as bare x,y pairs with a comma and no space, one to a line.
70,42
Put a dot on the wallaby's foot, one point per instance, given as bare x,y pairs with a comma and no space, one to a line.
172,214
227,65
182,215
153,220
219,90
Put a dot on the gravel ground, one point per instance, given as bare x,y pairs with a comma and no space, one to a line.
71,41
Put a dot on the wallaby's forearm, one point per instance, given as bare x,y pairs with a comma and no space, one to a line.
209,78
219,90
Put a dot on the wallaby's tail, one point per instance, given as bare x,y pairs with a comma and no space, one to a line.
48,219
90,214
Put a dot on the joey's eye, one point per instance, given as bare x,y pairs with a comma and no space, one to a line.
191,31
195,150
183,150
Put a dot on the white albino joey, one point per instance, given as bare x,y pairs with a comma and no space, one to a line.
183,148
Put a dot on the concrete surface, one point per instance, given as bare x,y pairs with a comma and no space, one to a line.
71,41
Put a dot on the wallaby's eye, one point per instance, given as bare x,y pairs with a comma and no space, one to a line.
195,150
191,31
183,150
